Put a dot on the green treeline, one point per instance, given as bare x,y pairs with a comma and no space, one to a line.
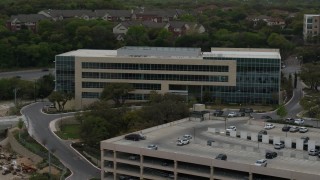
225,21
104,121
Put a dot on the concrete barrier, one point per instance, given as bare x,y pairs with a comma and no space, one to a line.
311,144
233,133
212,130
254,137
288,142
276,139
299,144
265,139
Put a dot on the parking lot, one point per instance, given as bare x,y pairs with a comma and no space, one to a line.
238,150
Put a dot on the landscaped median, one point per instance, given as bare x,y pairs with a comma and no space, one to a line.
69,129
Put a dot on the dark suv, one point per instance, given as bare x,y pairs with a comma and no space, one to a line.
218,113
271,155
134,137
286,128
246,110
222,157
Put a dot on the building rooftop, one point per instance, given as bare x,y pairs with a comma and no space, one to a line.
238,150
90,53
243,53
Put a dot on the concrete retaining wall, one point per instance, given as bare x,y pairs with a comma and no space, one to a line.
17,147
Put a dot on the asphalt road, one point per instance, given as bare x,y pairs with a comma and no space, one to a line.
39,129
26,75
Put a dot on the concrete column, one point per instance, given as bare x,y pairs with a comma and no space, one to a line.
175,169
299,144
141,166
265,139
276,139
233,133
211,173
212,130
250,175
311,144
288,142
243,134
254,137
114,165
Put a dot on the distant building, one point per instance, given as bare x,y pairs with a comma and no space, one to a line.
270,21
311,25
229,75
24,21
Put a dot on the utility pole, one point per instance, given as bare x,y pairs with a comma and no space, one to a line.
15,96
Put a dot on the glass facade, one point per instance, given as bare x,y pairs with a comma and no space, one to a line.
156,67
141,86
171,77
257,82
65,80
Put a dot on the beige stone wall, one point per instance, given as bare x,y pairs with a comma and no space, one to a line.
17,147
81,102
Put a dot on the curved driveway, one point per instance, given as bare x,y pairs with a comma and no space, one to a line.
39,129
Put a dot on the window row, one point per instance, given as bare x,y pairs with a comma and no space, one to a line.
154,67
90,95
170,77
135,85
245,60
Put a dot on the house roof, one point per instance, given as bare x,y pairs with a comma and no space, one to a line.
118,13
69,13
27,17
177,24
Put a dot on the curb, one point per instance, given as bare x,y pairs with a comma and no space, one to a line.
52,124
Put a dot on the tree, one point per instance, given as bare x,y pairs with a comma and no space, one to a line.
60,98
310,74
282,111
116,92
137,36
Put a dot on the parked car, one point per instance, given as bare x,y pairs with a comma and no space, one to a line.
279,145
286,128
187,136
152,147
289,120
182,142
209,142
261,162
299,121
246,110
266,117
231,128
262,132
271,154
232,114
303,129
218,113
313,152
269,126
165,163
294,129
135,137
222,157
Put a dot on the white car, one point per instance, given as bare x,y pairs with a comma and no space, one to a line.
152,147
187,136
231,128
313,152
303,129
261,162
232,114
299,121
182,142
269,126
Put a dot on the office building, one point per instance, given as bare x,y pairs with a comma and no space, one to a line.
224,75
311,26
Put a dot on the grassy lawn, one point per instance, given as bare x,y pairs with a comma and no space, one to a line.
69,131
